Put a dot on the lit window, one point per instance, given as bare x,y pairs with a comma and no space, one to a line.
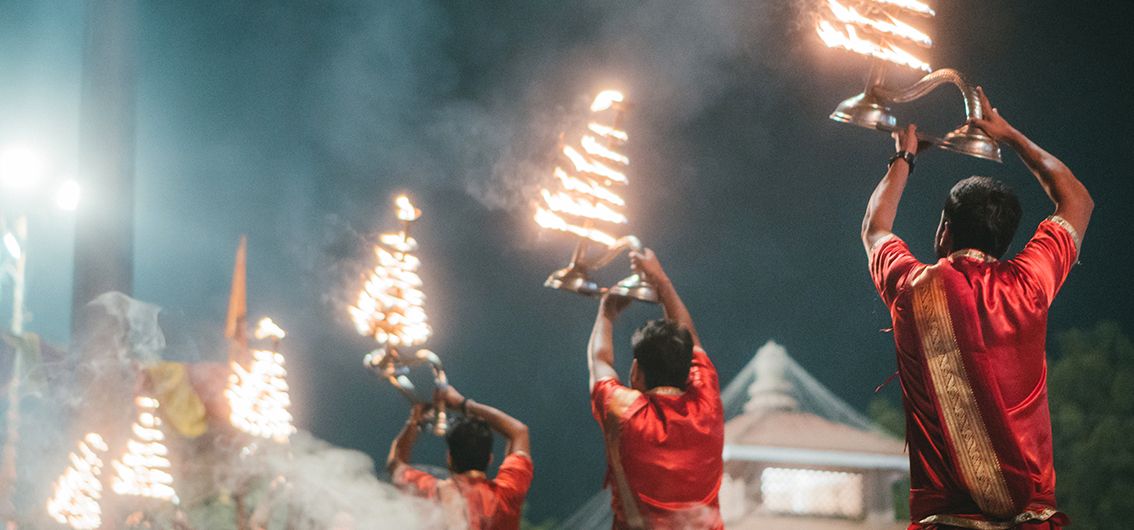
812,492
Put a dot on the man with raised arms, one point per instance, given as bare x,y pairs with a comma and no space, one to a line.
970,330
468,498
664,432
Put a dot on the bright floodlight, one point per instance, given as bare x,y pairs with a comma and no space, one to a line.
12,245
67,198
20,166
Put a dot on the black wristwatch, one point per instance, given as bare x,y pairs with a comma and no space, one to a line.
465,406
903,155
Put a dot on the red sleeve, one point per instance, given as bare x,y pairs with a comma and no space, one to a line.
514,478
415,481
1047,259
702,374
611,397
891,264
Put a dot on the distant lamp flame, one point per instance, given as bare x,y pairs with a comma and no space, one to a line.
406,210
585,195
258,395
606,99
77,493
390,307
391,310
144,470
266,328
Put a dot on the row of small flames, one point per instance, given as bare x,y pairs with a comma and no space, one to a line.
258,399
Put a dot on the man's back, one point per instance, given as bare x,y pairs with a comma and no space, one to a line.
470,499
970,334
667,445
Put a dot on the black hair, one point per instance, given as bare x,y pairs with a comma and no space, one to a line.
470,444
982,213
664,350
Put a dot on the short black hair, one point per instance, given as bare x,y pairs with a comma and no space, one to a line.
470,444
664,350
983,213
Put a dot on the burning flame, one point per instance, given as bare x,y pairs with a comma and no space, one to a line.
75,499
585,195
406,211
144,469
266,328
391,306
606,99
258,395
870,27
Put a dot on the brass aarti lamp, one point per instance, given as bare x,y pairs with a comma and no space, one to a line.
391,310
875,28
585,202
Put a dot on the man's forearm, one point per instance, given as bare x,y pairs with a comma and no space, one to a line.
600,348
883,206
674,308
1072,200
402,448
512,429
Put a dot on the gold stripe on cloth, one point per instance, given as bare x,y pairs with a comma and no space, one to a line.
1030,516
612,431
972,446
1070,230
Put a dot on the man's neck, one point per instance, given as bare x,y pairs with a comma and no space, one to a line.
471,474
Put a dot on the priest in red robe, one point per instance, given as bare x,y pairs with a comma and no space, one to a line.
664,432
468,498
970,332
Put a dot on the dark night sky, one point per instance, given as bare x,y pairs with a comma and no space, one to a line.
295,122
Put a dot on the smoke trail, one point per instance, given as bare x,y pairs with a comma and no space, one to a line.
219,476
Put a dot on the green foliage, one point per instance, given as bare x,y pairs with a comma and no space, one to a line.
887,415
527,524
1091,393
890,416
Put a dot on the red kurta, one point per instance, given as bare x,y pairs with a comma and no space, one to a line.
472,501
970,333
664,450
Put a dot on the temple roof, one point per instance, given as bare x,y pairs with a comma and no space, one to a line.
803,430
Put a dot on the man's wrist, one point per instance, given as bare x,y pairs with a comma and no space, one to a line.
905,156
661,281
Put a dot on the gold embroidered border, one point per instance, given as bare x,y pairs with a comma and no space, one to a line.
612,430
1029,516
980,468
1070,230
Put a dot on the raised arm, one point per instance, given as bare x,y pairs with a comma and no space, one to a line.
402,447
883,206
510,428
600,349
646,262
1072,200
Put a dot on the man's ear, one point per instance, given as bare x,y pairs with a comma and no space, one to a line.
448,460
943,241
636,381
491,458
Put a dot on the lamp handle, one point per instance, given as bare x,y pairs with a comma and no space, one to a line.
622,244
928,84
